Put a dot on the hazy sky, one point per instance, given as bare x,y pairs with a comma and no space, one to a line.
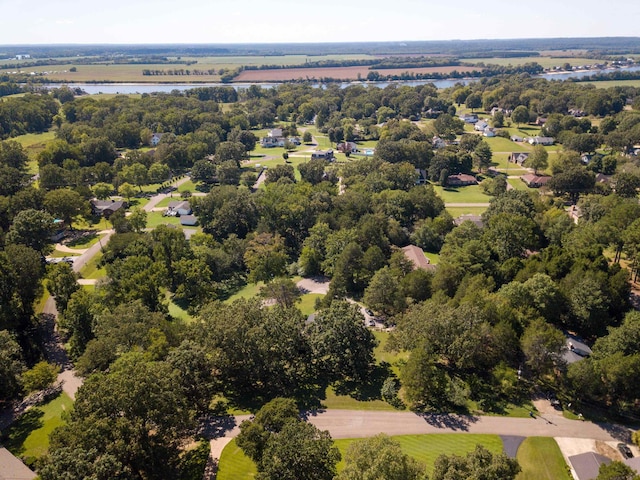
254,21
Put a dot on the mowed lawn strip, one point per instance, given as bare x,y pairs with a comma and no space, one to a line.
541,459
234,465
468,194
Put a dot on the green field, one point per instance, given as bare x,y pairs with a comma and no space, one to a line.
455,212
92,270
541,459
518,184
546,62
616,83
468,194
499,144
234,465
29,435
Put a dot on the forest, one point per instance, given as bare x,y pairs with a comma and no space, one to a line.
497,307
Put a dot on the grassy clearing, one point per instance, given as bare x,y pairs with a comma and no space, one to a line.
517,184
394,359
499,144
39,305
307,303
234,465
468,194
249,291
157,218
455,212
434,258
334,401
85,241
29,435
541,459
59,254
92,269
545,62
616,83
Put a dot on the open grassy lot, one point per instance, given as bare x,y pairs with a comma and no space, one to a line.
92,269
307,303
394,359
468,194
334,401
541,459
455,212
157,218
499,144
29,435
234,465
518,184
546,62
616,83
249,291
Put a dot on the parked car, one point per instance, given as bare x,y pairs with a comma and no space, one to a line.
368,312
625,450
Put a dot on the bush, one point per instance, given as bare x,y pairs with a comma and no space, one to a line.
41,376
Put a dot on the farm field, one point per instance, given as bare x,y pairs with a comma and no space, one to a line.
615,83
546,62
346,73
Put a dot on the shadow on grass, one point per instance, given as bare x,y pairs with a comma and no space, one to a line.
17,434
370,388
82,240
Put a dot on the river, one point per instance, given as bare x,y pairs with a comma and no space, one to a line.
129,88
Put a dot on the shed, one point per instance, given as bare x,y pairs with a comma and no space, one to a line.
188,220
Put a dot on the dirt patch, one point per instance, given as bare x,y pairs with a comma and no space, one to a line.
342,73
608,451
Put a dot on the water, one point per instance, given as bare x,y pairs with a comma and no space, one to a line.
129,88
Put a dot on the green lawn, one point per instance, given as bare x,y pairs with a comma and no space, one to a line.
177,311
34,143
85,241
392,358
249,291
468,194
59,254
434,258
157,218
334,401
455,212
307,303
541,459
616,83
499,144
189,185
517,184
29,435
92,270
234,465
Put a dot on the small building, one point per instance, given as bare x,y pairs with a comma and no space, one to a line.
469,217
11,468
535,181
295,141
275,133
178,208
489,132
345,147
516,138
469,118
155,139
587,465
518,157
461,180
540,121
322,155
438,143
106,208
416,256
480,126
541,141
188,220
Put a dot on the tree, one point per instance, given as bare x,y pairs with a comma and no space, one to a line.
572,182
482,155
138,219
65,203
520,115
40,376
473,101
616,471
126,190
62,282
498,119
380,457
511,235
136,174
265,257
280,171
158,173
152,420
538,159
542,345
384,293
13,155
228,173
102,190
11,366
77,321
480,463
307,137
203,171
283,290
33,229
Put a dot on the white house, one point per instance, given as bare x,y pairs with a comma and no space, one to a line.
480,126
489,132
178,208
155,139
541,141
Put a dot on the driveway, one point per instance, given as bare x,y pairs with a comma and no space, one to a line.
314,285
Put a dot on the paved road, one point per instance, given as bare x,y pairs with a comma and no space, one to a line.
90,252
156,199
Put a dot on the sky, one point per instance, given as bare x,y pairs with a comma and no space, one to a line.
276,21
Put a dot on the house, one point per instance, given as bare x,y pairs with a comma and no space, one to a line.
469,217
576,112
540,121
541,141
178,208
11,468
438,143
516,138
535,181
155,139
422,176
480,126
469,118
602,178
489,132
294,140
106,208
461,180
322,155
345,147
586,465
416,256
518,157
271,142
188,220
